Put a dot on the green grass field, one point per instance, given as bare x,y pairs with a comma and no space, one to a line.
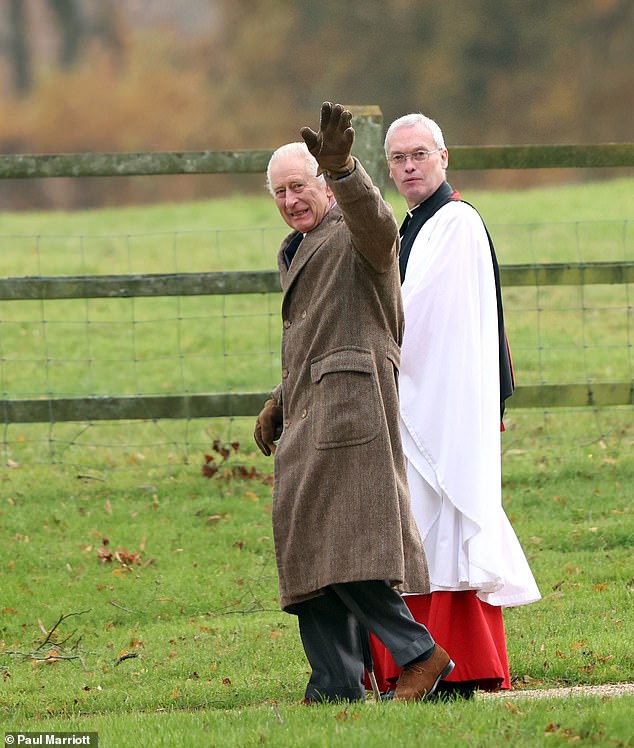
139,598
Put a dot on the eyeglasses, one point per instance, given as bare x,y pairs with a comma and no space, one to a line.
400,159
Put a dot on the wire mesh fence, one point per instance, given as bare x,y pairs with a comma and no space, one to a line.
184,345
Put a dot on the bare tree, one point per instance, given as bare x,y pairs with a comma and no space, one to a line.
71,29
18,48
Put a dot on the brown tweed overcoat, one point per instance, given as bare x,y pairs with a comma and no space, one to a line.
341,509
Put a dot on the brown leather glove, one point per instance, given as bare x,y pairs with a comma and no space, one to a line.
332,144
268,427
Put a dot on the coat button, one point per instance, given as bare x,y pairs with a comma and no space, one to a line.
287,323
304,413
304,314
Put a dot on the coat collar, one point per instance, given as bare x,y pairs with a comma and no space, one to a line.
311,242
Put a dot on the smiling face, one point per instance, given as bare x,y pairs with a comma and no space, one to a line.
416,180
302,199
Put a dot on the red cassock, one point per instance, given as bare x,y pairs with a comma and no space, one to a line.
471,631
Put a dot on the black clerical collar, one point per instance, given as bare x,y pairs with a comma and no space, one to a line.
417,217
430,206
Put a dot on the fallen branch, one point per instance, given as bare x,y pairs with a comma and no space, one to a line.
127,656
63,617
56,651
116,605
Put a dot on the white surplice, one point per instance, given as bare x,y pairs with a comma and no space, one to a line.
450,412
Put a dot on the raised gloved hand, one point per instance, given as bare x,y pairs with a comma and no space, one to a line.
268,427
332,144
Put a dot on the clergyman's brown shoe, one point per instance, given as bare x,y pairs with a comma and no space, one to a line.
418,680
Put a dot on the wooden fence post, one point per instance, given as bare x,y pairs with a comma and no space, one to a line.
367,121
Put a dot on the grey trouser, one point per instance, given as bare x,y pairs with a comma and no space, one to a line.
330,630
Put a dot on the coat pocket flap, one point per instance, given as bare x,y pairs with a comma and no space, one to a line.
342,359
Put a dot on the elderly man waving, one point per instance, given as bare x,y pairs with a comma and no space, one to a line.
345,538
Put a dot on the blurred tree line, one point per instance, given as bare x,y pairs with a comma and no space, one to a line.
133,75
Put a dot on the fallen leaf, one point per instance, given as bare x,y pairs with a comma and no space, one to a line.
578,644
209,469
513,708
127,558
104,555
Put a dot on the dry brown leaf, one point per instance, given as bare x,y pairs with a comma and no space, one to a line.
513,708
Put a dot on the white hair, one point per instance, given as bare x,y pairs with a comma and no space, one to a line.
300,150
408,120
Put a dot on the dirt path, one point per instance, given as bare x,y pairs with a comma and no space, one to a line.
610,689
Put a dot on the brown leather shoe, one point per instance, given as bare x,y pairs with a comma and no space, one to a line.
418,680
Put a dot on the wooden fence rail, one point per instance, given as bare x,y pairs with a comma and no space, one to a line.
463,157
369,150
211,405
42,288
368,146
